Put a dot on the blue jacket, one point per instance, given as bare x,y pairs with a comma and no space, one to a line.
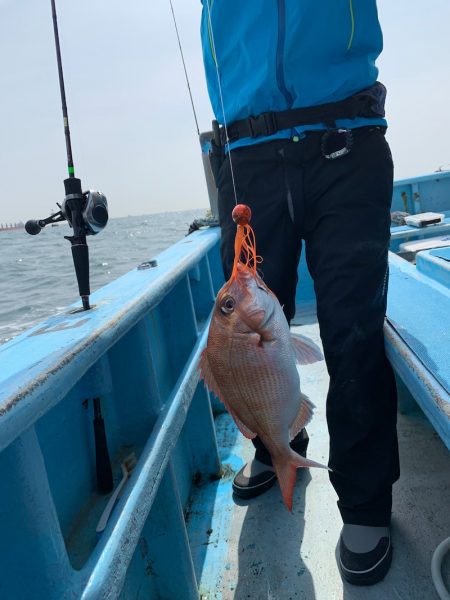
274,55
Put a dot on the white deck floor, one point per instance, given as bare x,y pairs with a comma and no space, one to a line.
257,550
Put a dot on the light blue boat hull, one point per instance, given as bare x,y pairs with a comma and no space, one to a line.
137,351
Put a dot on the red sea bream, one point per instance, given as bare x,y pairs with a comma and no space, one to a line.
250,364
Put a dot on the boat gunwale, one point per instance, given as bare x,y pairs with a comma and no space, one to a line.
22,404
421,383
106,568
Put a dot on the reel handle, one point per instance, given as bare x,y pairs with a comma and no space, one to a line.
87,214
33,227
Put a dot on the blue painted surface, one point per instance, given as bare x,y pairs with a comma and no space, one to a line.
422,194
419,340
64,347
406,233
436,264
305,295
137,351
416,384
419,309
209,524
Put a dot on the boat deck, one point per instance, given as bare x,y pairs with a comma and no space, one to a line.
257,550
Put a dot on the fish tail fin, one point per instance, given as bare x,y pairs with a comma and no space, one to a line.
286,471
301,461
286,474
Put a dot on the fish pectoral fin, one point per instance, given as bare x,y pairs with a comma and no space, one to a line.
303,417
306,351
206,374
246,431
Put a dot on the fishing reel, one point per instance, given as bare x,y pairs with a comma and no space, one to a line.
87,214
94,214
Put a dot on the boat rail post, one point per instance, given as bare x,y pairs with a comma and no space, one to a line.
171,558
30,521
202,434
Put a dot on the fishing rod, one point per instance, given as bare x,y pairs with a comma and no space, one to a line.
86,212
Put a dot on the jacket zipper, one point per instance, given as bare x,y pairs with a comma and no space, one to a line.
352,19
211,45
280,52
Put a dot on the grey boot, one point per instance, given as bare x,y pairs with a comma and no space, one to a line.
365,554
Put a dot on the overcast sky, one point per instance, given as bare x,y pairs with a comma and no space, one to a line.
133,132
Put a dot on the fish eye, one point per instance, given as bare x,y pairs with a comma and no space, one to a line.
227,306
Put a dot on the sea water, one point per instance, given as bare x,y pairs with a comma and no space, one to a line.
37,277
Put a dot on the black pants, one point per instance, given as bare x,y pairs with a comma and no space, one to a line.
341,209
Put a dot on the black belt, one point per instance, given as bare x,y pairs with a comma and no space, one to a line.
368,103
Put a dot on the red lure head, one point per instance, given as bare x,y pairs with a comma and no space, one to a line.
244,243
241,214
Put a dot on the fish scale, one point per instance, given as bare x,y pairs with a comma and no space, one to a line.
250,363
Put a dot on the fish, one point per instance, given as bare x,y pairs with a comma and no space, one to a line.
249,363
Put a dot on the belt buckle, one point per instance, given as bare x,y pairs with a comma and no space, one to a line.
263,124
330,143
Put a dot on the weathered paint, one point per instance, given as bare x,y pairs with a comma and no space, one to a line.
32,363
433,399
256,550
137,350
418,309
436,265
422,194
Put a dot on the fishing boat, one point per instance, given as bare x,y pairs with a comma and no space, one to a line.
175,532
116,462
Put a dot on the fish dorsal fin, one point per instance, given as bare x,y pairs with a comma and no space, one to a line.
303,417
206,374
306,351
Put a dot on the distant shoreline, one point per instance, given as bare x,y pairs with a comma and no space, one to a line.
11,226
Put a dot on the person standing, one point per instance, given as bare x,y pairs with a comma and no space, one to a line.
296,84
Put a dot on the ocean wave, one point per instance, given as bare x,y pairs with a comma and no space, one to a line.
38,278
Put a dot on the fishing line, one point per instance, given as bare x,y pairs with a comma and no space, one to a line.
227,139
184,67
